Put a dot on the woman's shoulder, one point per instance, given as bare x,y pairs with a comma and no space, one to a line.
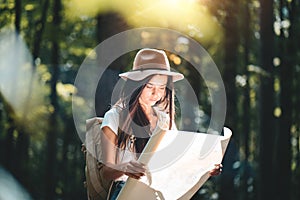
112,112
111,119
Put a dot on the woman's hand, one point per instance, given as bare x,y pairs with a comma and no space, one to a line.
134,169
217,170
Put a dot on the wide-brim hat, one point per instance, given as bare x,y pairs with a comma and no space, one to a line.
149,62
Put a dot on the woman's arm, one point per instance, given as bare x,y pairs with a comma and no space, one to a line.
108,145
111,171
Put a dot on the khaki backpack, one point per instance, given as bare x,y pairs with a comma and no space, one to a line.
97,187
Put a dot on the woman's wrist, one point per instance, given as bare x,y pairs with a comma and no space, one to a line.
112,173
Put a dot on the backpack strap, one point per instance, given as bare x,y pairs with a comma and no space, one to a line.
97,186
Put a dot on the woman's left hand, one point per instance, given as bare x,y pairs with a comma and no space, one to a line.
217,170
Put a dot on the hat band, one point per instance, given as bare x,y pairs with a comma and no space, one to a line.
143,69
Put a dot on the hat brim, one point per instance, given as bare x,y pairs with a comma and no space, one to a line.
142,74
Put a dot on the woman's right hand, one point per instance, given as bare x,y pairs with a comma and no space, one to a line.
134,169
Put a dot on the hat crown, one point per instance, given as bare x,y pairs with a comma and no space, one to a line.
151,59
149,62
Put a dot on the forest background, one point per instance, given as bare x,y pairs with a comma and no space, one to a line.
254,44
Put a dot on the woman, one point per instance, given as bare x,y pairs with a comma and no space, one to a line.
147,100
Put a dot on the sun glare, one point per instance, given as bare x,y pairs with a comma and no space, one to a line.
90,8
189,17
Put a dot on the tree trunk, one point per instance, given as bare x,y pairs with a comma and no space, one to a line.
18,12
230,62
284,156
267,131
51,165
283,146
67,169
294,32
9,148
108,25
22,146
246,103
40,26
22,143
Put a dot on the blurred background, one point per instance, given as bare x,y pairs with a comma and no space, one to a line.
254,44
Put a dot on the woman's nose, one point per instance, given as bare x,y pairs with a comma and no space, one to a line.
154,91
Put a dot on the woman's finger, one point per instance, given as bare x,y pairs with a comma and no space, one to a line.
133,169
137,167
138,164
134,175
217,170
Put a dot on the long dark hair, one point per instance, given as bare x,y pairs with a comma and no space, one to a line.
134,126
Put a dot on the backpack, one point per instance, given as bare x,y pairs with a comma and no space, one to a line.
96,186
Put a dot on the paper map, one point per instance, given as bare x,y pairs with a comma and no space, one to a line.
179,165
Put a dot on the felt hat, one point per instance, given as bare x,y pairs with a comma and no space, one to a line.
149,62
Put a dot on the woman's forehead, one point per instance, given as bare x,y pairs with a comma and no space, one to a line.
158,80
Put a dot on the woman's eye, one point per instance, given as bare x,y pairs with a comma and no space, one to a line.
149,86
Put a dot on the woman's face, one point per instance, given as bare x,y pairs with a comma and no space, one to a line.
154,90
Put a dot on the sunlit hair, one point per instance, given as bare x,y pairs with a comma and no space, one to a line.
134,124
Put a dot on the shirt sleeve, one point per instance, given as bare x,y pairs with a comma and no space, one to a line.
111,120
